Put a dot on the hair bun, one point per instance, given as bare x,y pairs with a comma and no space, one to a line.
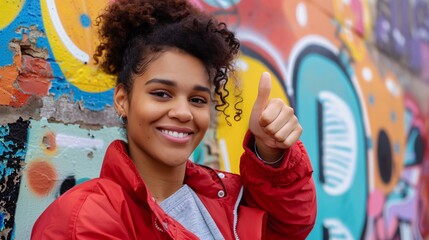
122,20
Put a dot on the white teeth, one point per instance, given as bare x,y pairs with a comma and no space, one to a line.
175,134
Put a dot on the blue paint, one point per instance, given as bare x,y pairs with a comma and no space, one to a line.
2,218
396,147
333,76
85,20
82,180
344,58
2,168
408,119
92,101
369,143
393,116
222,3
43,42
5,53
198,154
6,36
371,99
13,232
12,153
4,131
20,153
9,171
5,146
410,155
30,15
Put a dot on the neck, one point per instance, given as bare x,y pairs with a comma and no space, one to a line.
161,186
160,179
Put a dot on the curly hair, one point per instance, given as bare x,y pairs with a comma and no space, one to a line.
133,33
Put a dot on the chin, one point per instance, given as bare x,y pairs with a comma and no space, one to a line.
175,162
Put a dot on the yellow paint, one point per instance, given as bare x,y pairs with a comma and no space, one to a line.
355,45
84,76
367,20
233,135
10,10
345,15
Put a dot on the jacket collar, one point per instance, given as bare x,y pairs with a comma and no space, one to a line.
203,180
118,167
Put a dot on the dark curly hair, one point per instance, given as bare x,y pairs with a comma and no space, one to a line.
134,32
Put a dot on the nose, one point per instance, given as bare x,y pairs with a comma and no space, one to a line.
181,110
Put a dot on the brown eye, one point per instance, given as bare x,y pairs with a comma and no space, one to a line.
161,94
198,100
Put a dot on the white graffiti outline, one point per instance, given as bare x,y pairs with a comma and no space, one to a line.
68,43
259,40
78,142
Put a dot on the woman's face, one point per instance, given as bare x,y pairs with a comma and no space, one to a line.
168,111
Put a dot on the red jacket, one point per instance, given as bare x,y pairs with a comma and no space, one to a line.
275,203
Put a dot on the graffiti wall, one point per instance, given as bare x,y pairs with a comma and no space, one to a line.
356,72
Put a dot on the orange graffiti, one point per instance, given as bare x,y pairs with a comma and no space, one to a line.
35,76
383,99
41,177
9,94
306,19
49,143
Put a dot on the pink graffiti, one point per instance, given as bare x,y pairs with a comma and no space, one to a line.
357,8
376,201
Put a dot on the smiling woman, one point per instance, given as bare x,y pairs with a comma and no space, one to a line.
168,112
171,62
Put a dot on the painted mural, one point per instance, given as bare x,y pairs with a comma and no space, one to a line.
366,132
57,158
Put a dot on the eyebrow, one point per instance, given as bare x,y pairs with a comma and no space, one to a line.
162,81
174,84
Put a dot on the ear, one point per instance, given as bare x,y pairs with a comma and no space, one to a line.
120,99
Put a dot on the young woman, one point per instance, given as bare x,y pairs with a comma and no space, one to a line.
172,61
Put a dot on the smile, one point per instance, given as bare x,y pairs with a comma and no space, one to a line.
175,134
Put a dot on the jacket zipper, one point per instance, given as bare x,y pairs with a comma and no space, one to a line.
240,195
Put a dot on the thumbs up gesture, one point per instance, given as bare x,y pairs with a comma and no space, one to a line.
273,123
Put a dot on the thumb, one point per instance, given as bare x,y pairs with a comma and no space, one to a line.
264,91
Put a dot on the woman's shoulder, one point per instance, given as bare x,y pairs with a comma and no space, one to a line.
77,205
95,204
97,189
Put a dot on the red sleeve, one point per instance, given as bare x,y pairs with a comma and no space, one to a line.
80,215
286,193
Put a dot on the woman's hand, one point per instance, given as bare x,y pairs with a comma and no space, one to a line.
273,123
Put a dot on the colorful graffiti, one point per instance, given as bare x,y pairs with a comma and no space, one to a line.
366,134
57,158
402,31
47,30
353,114
13,148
